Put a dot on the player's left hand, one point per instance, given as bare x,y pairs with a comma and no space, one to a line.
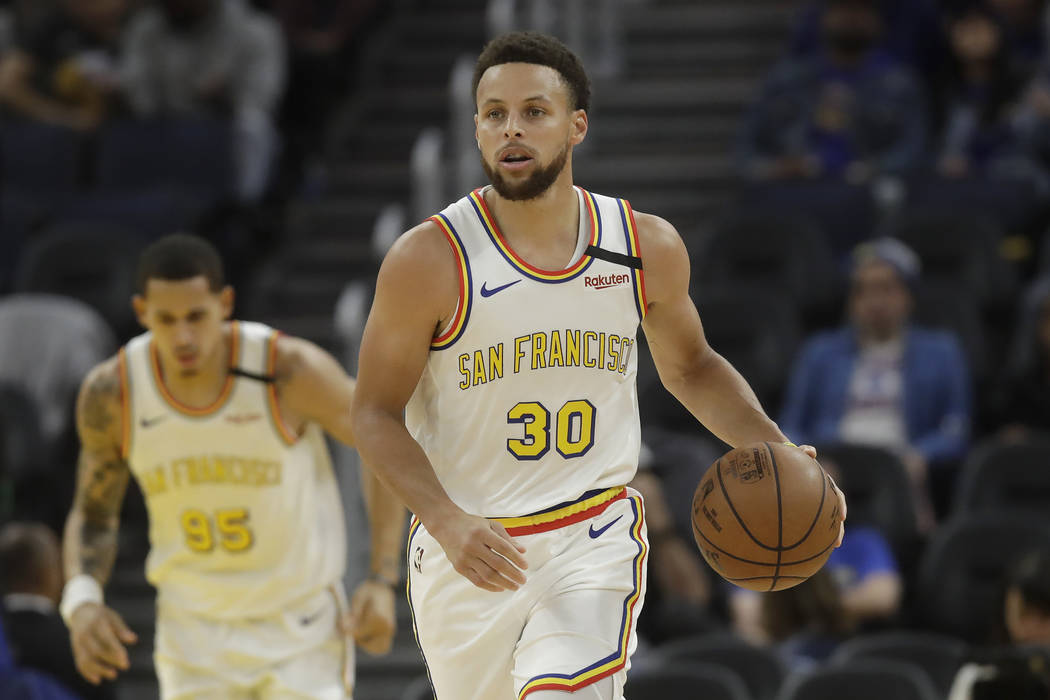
372,618
812,452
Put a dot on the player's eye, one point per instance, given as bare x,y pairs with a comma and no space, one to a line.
536,112
494,114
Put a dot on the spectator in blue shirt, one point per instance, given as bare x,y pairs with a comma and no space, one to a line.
880,380
851,110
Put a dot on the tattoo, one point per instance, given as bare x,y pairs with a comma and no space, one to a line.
102,476
101,399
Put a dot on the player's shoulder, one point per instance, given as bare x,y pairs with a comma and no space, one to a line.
422,264
292,354
99,404
657,236
104,378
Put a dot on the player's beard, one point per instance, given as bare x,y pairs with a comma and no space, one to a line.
532,187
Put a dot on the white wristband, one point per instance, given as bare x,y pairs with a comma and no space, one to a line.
82,588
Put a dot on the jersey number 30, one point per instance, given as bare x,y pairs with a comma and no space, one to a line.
231,526
573,429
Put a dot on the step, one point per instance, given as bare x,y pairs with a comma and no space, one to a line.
351,218
381,181
458,27
703,21
715,135
677,97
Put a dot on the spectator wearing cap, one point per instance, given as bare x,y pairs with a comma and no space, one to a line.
881,380
850,111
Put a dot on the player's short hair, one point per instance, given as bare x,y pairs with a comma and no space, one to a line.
542,50
180,256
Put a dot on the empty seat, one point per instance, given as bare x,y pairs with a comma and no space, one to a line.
685,681
937,655
957,248
952,308
89,262
780,253
761,670
39,158
757,330
1002,475
877,487
861,680
962,570
190,153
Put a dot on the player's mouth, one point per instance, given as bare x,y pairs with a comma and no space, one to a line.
186,359
515,159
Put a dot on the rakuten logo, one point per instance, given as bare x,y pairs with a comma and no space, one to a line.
606,281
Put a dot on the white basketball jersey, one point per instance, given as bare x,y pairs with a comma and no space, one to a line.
528,397
245,516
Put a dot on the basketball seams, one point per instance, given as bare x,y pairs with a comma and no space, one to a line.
732,509
760,563
820,510
780,518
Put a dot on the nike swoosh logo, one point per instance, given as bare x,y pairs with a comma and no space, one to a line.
495,290
595,534
310,619
150,422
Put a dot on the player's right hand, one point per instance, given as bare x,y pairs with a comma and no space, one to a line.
98,635
481,550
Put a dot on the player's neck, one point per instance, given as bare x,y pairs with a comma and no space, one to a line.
202,387
549,223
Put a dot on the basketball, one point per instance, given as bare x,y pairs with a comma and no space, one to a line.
765,516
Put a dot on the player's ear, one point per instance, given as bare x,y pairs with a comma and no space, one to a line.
138,305
579,127
226,299
476,136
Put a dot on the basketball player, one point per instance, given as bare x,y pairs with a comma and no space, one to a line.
506,326
220,422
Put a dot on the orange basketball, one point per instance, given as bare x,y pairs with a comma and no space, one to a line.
765,516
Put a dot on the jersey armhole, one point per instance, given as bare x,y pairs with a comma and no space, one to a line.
634,248
458,323
125,404
287,435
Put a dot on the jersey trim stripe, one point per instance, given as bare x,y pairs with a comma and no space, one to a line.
125,404
413,529
488,222
560,517
276,419
618,659
635,249
459,323
227,388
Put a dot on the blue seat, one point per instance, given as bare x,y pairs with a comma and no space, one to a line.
39,157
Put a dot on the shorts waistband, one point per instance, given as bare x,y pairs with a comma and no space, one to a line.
586,506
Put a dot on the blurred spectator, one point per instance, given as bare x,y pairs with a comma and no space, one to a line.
1025,32
868,590
913,33
850,110
1021,670
1022,400
65,72
981,91
804,623
31,579
211,58
880,380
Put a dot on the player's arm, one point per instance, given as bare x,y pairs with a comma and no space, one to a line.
416,293
314,386
90,543
701,379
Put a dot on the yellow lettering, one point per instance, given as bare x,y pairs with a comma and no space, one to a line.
572,348
556,359
496,362
601,350
463,360
519,351
588,337
614,353
539,351
479,369
626,355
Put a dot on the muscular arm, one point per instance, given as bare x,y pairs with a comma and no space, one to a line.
90,542
416,293
701,379
313,385
17,91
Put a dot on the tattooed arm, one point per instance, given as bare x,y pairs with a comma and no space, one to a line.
97,633
90,545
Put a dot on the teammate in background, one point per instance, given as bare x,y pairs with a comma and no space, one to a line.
506,326
221,424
